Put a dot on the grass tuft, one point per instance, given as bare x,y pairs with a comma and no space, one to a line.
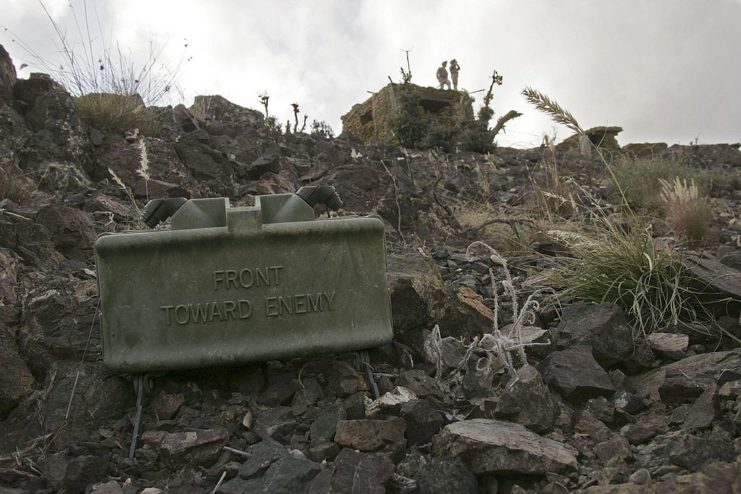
687,211
619,262
552,195
115,114
13,187
624,266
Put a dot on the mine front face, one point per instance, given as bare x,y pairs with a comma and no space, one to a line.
220,295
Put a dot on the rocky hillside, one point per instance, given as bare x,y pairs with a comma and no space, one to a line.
476,394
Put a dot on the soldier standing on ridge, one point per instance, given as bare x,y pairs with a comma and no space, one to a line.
454,69
442,75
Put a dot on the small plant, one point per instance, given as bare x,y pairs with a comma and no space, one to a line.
128,193
115,113
477,138
552,195
273,125
321,129
620,263
408,126
296,111
14,187
686,210
625,267
86,64
143,170
504,346
264,100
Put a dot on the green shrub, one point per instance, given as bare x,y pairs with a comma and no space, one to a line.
624,266
440,137
408,126
321,129
115,114
477,138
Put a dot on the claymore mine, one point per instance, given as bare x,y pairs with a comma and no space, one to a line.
229,285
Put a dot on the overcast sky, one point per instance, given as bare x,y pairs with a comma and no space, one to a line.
664,70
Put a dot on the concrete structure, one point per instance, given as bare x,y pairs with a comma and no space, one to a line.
372,119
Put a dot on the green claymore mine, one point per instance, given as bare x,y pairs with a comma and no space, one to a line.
229,285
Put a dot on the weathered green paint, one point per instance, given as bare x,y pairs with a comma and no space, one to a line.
269,282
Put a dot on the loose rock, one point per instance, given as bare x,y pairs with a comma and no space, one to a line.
369,435
669,345
527,401
575,374
193,448
496,447
601,326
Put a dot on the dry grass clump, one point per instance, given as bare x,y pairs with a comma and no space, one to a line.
687,211
552,195
13,187
116,113
640,179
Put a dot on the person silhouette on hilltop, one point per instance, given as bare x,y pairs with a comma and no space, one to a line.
442,75
454,69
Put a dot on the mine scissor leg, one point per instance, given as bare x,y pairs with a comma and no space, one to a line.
365,362
142,382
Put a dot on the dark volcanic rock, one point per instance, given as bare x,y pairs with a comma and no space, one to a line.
324,428
279,390
417,296
215,108
423,420
528,401
697,366
73,474
72,230
7,75
271,468
16,380
443,476
354,472
628,402
98,397
59,141
465,313
692,452
678,388
268,163
30,240
574,373
638,433
275,423
702,412
601,326
495,447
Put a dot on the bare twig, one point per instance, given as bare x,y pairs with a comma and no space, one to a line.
82,360
218,484
396,199
237,452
